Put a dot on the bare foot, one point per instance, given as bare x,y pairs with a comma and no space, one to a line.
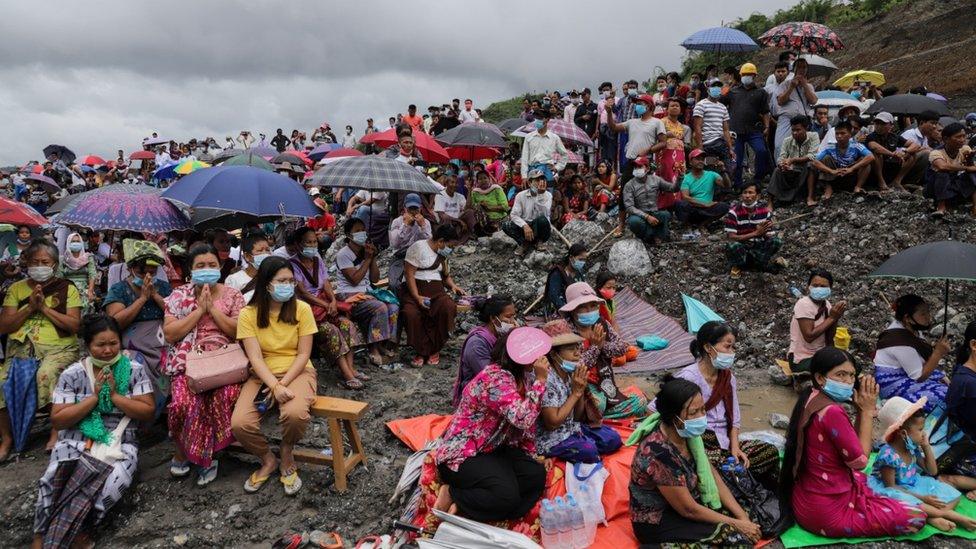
377,358
966,522
444,501
51,441
945,525
83,541
970,495
8,443
811,202
828,195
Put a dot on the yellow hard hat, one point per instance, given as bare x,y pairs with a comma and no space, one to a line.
747,68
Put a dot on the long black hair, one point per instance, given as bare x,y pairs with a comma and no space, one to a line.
710,333
673,397
963,351
822,363
492,307
261,299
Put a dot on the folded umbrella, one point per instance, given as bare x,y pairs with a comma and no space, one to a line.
374,173
62,152
721,40
18,213
429,149
243,189
909,104
20,392
123,207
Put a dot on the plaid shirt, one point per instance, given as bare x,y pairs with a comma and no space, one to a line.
624,109
742,220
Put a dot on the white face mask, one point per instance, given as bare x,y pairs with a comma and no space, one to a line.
640,173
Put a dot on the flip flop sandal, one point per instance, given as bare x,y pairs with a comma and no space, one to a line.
362,377
207,474
179,469
354,384
417,362
290,541
255,483
370,542
330,540
292,482
434,360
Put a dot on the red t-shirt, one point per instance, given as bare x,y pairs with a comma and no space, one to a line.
325,222
415,121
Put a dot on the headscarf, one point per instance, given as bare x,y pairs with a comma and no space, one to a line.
722,392
75,263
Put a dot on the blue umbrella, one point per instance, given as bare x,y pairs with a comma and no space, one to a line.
835,94
319,152
166,172
242,189
720,39
20,391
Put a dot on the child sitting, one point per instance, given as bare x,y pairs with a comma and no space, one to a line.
570,427
905,466
606,286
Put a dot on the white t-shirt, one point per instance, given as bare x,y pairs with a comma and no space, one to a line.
420,255
237,281
902,356
642,135
467,116
379,199
451,205
346,259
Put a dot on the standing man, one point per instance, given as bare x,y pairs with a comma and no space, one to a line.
622,112
540,148
370,128
710,123
645,137
608,139
586,119
794,97
749,119
280,142
412,119
528,222
469,115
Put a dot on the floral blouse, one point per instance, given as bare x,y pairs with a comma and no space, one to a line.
906,474
492,414
658,463
181,303
599,363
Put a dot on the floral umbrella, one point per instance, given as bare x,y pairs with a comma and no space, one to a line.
803,36
124,207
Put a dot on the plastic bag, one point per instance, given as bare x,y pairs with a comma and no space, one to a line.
761,504
593,476
769,437
652,342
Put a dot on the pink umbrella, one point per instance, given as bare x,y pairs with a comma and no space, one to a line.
566,131
571,158
339,154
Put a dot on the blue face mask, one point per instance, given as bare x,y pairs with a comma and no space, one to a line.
723,361
568,366
841,392
538,124
910,445
282,292
360,237
445,251
715,92
856,94
205,277
76,246
256,260
632,92
579,264
640,109
819,293
588,319
310,251
694,427
137,281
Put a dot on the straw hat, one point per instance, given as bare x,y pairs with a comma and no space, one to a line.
895,412
561,333
579,293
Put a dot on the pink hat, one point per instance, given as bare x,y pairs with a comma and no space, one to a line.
526,344
895,412
579,293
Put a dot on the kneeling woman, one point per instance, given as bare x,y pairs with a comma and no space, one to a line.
484,458
676,496
428,310
822,475
92,399
276,330
570,427
714,347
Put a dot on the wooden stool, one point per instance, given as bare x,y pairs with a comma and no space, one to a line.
341,414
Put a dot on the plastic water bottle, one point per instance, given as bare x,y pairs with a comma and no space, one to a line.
577,522
564,540
550,527
585,498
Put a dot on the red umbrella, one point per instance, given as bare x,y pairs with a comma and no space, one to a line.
471,154
142,155
18,213
430,150
339,154
93,160
803,36
38,168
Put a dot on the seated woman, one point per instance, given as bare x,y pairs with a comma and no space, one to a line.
676,496
568,270
570,428
814,321
906,365
821,475
199,315
41,315
960,460
276,330
337,334
13,249
497,316
602,201
92,399
714,347
951,176
490,204
254,249
484,458
606,287
78,267
602,343
356,264
576,201
427,309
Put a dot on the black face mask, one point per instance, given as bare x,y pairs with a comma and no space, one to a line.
921,327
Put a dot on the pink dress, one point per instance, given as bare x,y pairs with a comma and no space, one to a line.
831,496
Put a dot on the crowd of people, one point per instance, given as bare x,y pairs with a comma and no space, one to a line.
118,327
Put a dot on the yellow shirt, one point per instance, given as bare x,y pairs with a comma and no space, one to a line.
279,341
38,327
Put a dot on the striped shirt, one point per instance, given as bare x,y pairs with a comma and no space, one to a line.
713,115
742,220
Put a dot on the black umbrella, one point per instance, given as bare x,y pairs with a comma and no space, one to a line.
64,153
473,135
944,260
220,156
288,157
908,104
818,66
509,125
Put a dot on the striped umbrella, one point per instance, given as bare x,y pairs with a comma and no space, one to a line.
802,36
374,173
124,207
566,131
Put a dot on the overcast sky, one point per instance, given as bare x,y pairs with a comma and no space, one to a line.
100,75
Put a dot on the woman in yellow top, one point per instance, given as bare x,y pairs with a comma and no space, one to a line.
276,331
41,314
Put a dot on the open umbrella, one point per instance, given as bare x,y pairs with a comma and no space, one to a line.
153,141
477,134
49,184
571,158
374,173
20,392
291,157
142,155
909,104
836,100
567,131
429,150
472,154
243,189
18,213
62,152
226,154
818,66
802,36
721,40
339,154
123,207
166,172
93,160
510,125
698,313
937,97
944,260
249,159
322,149
263,151
848,80
190,166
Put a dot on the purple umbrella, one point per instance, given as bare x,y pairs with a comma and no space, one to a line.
720,39
263,151
937,97
124,207
319,152
49,184
567,131
242,189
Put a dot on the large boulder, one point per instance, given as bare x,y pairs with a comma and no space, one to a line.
499,241
586,232
629,258
539,260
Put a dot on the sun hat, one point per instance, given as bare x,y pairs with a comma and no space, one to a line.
579,293
561,333
895,412
526,344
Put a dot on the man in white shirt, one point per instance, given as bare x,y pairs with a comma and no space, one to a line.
925,135
449,208
569,113
528,222
790,97
540,148
469,115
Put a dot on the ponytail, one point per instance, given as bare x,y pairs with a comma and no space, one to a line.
963,352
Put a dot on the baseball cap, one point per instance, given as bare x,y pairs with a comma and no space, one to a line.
715,82
646,98
885,117
412,200
641,161
696,153
536,174
971,117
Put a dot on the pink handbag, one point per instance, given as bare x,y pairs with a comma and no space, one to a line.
207,370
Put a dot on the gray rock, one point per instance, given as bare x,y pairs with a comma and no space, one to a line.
499,241
779,421
629,258
778,376
233,511
587,232
539,260
465,250
181,539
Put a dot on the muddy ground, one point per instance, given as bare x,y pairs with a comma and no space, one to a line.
848,237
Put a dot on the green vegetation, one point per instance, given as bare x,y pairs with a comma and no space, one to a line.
509,108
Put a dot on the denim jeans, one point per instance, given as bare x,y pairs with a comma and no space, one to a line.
757,143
